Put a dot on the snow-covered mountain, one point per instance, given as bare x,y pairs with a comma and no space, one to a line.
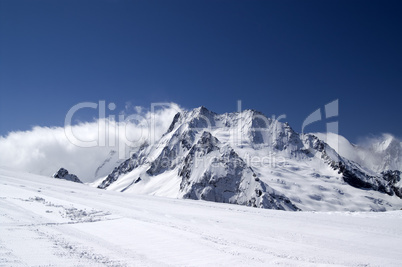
249,159
379,154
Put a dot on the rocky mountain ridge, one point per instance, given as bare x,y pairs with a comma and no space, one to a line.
249,159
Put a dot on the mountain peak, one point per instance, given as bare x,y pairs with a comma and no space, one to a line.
202,110
249,159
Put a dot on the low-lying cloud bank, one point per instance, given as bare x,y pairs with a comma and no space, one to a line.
43,150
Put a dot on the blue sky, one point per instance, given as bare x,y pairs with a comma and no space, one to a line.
278,57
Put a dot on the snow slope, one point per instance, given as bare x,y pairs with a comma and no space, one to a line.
379,154
52,222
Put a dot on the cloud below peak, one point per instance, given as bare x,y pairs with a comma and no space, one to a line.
43,150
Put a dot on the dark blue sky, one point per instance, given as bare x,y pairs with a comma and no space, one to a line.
278,57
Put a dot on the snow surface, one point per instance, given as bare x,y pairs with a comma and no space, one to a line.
52,222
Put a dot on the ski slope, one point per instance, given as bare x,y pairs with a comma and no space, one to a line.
52,222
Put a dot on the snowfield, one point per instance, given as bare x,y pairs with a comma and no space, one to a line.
52,222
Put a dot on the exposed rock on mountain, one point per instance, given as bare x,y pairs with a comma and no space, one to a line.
63,174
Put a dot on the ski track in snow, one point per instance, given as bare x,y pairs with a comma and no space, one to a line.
51,222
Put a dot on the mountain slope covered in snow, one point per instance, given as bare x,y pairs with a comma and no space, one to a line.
379,154
249,159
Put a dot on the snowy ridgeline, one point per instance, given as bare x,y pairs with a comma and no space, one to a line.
248,159
53,222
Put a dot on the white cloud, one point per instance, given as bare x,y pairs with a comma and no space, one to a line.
138,109
43,150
